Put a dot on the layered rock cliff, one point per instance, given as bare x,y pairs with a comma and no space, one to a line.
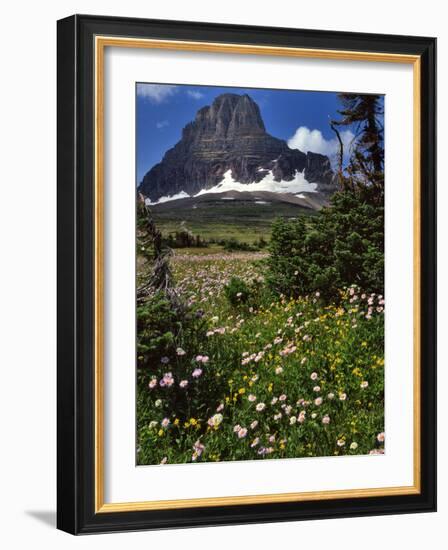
230,135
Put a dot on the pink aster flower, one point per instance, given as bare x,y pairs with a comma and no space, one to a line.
252,398
381,437
236,428
260,407
340,442
196,373
318,401
313,376
183,383
152,383
326,419
342,396
364,384
180,351
165,422
282,397
242,433
254,424
316,389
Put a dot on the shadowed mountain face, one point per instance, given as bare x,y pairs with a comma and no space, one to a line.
230,135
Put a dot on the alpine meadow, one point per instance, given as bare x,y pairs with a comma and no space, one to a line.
260,274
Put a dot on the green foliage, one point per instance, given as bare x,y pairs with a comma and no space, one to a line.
341,246
237,291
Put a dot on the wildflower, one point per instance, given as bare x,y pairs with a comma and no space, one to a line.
316,389
314,415
220,407
364,384
317,294
353,446
318,401
293,420
198,449
153,423
278,416
215,420
303,361
236,428
165,422
167,380
274,400
158,403
342,396
271,438
376,452
255,442
301,417
330,396
196,373
278,370
205,359
183,383
251,397
381,437
254,424
340,442
164,460
282,397
313,375
260,407
152,383
165,360
326,419
242,432
198,358
180,351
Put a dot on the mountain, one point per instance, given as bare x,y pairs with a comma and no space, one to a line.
227,148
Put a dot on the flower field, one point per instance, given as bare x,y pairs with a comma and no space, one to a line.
245,374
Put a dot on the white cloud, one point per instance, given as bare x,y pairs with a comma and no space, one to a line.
313,140
162,124
156,93
195,94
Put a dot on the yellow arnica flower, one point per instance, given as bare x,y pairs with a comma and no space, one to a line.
161,433
241,391
193,421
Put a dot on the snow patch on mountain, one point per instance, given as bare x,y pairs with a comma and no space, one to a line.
296,186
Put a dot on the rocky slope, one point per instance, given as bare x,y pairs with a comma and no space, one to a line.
230,135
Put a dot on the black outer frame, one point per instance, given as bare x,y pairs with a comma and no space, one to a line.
75,310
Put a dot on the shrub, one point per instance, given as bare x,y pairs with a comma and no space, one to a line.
341,246
237,291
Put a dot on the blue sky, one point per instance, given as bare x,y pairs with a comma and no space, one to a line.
299,117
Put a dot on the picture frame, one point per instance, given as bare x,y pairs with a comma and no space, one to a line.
82,43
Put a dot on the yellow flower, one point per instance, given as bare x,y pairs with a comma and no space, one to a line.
161,433
193,421
241,391
176,422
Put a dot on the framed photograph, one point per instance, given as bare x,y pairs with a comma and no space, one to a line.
246,274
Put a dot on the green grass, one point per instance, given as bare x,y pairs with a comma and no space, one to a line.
243,220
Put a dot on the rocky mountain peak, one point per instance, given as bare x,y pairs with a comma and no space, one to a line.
230,135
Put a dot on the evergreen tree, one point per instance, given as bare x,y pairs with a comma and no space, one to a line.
365,171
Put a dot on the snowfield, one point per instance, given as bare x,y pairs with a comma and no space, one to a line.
296,186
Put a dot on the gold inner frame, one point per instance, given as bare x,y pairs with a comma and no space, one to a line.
101,42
